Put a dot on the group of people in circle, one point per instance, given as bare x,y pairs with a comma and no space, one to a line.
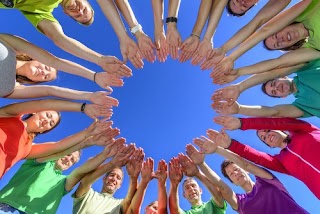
39,185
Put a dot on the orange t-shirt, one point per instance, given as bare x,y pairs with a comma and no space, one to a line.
14,143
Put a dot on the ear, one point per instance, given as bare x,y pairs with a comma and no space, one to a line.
184,194
200,190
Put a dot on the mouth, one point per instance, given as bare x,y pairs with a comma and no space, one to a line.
289,37
271,138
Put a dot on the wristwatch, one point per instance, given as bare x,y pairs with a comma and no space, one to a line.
135,29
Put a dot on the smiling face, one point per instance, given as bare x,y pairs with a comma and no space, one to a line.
239,7
37,72
79,10
237,175
112,181
287,37
42,121
67,161
191,191
272,138
152,208
280,87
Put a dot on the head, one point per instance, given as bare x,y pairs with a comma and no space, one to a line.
34,72
291,37
191,190
80,10
273,138
42,122
234,173
67,161
280,87
112,180
152,208
239,7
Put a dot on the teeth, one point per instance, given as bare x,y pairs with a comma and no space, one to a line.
289,37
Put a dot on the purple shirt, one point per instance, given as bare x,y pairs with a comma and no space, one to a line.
268,196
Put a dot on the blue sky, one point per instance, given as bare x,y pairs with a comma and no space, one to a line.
164,105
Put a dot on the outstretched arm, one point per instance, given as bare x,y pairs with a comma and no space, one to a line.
161,174
175,175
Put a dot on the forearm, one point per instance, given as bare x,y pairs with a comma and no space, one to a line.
162,198
126,10
286,110
174,199
133,186
202,17
138,197
158,7
174,6
216,12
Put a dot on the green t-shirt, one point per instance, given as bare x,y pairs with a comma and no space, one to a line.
36,10
207,207
310,19
35,188
308,89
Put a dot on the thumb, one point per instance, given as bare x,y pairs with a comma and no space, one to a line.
157,44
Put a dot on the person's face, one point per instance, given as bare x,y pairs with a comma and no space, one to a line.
113,181
38,72
241,6
237,175
79,10
273,138
286,37
67,161
42,121
153,208
280,87
191,191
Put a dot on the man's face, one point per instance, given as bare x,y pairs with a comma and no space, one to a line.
191,191
79,10
280,87
236,174
67,161
113,181
241,6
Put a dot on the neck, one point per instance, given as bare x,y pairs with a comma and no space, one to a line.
305,30
196,203
293,87
105,191
19,64
248,186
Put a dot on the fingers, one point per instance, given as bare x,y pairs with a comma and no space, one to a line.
136,61
196,58
212,134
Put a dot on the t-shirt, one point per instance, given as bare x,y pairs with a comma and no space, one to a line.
310,19
36,10
8,70
207,207
35,188
268,196
14,142
94,202
308,89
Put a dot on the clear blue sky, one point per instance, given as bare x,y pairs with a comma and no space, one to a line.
164,105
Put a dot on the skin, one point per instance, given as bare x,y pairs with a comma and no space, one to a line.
238,176
79,10
113,181
192,192
67,161
36,71
287,36
152,208
273,138
280,87
241,6
42,121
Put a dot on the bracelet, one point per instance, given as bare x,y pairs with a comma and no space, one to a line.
94,77
171,19
193,34
83,106
135,29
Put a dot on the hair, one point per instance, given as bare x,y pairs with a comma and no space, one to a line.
228,8
23,79
263,89
286,140
295,46
223,166
34,134
149,205
107,174
188,179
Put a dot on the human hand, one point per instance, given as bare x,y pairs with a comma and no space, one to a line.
161,46
135,164
222,107
206,145
224,79
97,127
224,67
111,149
228,122
113,65
173,40
162,172
104,80
229,94
189,168
147,170
175,171
217,55
203,52
102,98
146,46
188,48
130,50
194,154
94,111
222,138
123,154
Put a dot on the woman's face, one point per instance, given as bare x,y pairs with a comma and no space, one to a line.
42,121
241,6
287,37
153,208
273,138
38,72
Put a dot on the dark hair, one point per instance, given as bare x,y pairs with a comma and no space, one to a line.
27,116
223,166
286,140
295,46
228,8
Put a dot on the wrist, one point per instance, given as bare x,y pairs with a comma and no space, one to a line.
137,28
138,34
171,26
